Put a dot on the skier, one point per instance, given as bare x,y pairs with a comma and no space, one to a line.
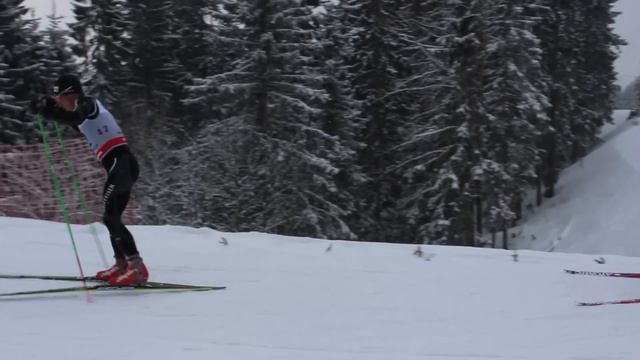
70,106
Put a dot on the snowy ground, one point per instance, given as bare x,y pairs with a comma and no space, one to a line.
290,298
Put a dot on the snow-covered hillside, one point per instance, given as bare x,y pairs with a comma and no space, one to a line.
597,207
294,298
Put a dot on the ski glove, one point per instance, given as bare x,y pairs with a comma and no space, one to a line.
42,105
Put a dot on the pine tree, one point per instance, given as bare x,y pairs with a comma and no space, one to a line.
446,143
515,89
101,32
425,91
198,55
597,83
375,66
151,89
153,67
8,109
57,57
577,42
340,114
559,56
283,162
21,59
193,43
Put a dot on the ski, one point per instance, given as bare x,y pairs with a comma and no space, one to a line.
75,278
612,302
101,285
49,277
605,274
104,288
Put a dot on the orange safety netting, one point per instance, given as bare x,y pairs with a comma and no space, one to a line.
26,187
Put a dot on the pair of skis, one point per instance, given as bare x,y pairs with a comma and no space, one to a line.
628,275
166,287
100,286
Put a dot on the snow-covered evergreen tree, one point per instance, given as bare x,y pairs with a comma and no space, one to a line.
23,73
197,56
447,138
577,42
101,31
8,108
148,112
596,81
152,64
376,63
58,59
340,117
515,99
271,100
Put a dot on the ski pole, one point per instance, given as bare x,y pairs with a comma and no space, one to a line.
60,196
76,184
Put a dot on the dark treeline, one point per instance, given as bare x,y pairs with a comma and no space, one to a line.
423,121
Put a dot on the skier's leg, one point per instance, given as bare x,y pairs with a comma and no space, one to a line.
123,175
126,242
136,272
111,219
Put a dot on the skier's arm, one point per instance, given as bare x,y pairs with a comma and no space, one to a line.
86,108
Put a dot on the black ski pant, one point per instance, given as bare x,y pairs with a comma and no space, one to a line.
122,173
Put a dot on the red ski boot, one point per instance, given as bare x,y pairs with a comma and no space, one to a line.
117,269
136,273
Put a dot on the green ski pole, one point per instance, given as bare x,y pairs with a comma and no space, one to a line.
60,196
76,185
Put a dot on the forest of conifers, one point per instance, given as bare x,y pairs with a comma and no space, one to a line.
425,121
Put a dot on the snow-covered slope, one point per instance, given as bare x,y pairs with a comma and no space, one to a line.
292,299
597,207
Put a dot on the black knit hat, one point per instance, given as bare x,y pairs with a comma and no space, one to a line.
67,84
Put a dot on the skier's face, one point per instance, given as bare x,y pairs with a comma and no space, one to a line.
67,101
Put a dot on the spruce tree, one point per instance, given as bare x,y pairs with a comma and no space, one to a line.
375,65
8,108
597,83
340,117
101,31
577,43
23,72
515,88
58,59
197,55
270,102
445,145
152,64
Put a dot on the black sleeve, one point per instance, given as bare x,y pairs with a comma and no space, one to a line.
86,108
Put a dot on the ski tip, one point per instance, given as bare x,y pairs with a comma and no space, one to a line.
580,303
